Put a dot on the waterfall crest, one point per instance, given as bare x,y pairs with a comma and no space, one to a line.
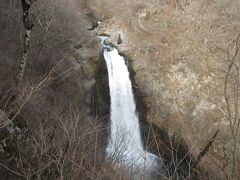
124,143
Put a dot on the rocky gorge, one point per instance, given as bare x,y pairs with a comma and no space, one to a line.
179,55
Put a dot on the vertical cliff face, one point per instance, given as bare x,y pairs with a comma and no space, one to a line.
101,95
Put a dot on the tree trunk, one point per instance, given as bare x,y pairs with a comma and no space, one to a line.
26,4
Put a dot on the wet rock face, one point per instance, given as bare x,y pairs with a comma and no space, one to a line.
100,96
178,52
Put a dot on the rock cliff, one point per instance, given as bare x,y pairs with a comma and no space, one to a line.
179,54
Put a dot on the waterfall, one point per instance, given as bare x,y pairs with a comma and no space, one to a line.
124,143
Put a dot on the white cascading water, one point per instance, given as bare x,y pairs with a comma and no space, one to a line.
124,143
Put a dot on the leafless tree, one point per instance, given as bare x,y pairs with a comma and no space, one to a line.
231,94
28,25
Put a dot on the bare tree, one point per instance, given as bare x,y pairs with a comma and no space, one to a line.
46,28
28,25
231,94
